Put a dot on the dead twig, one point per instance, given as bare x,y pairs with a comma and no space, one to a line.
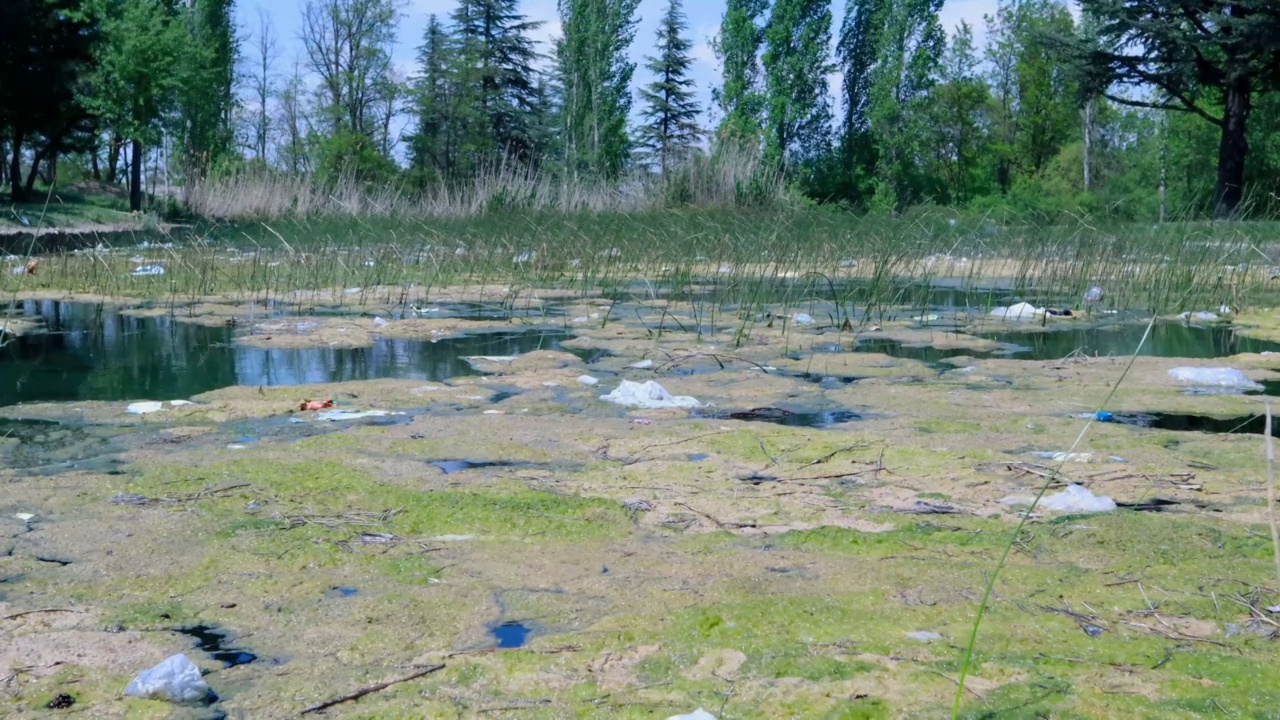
43,610
372,689
833,453
718,523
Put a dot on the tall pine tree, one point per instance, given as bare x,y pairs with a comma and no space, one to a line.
496,60
595,77
740,97
430,154
671,112
797,111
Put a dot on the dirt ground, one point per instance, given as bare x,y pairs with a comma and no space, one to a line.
659,560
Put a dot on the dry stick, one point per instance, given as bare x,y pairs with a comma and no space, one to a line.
45,610
1017,533
372,689
1271,493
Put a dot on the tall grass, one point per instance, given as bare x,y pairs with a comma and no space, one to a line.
725,178
736,265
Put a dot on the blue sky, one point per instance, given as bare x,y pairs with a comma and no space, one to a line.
703,15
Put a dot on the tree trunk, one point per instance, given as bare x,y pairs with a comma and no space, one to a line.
97,169
35,171
1233,149
15,169
1088,144
135,176
113,158
1164,166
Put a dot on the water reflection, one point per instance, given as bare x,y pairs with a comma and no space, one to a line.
91,352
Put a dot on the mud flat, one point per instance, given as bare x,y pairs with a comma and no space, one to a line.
563,555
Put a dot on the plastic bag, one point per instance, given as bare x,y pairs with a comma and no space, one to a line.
336,415
1222,377
648,394
177,679
1077,499
1021,311
144,407
698,714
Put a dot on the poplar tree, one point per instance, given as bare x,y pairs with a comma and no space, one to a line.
595,80
797,111
740,96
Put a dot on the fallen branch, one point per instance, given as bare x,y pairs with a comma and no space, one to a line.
720,524
833,453
44,610
372,689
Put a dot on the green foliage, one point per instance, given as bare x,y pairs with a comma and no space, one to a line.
740,95
494,64
957,122
671,113
910,51
207,99
596,84
47,50
1210,58
431,155
797,109
348,44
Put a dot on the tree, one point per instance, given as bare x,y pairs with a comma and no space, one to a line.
348,46
797,111
135,87
595,77
740,96
293,152
430,154
958,107
858,50
1032,86
910,53
208,97
671,111
261,84
48,51
497,57
1210,58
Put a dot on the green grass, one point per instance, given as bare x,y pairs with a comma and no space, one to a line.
771,260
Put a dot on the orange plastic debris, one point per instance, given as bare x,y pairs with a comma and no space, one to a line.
315,405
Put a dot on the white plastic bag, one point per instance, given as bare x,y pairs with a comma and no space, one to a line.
144,407
648,394
177,679
338,415
1222,377
698,714
1077,499
1021,311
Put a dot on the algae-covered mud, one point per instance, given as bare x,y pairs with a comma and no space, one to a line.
315,495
